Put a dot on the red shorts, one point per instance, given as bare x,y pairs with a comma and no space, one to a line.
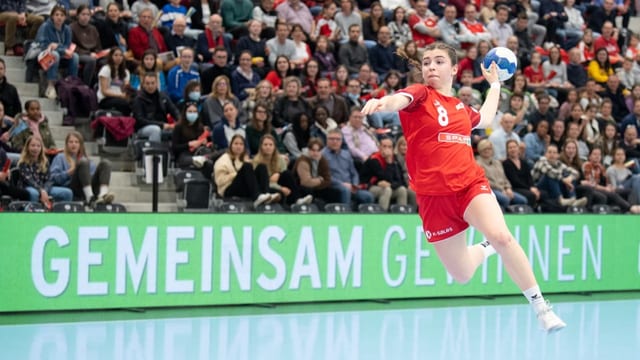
443,216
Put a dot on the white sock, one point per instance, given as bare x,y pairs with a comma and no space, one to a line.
534,295
88,193
487,249
103,190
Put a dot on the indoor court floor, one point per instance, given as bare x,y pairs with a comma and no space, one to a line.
600,326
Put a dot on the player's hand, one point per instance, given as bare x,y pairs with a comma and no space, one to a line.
372,106
491,74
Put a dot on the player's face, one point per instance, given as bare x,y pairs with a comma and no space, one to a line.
437,69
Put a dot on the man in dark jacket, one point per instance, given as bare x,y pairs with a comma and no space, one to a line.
8,93
335,103
153,110
382,174
6,188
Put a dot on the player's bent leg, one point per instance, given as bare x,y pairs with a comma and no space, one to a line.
460,260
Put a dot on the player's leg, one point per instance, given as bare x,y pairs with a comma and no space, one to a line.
484,214
461,260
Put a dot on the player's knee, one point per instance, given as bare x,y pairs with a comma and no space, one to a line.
499,238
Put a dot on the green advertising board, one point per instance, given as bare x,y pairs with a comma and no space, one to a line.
79,261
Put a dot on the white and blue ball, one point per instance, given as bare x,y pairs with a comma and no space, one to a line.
505,59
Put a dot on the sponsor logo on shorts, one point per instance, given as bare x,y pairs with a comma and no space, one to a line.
440,232
484,188
454,138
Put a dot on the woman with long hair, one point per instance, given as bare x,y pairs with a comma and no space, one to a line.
212,111
74,170
518,173
622,180
325,57
372,24
149,64
281,180
34,175
600,68
310,76
296,139
87,40
264,94
228,126
191,141
113,84
282,69
595,177
244,77
235,175
570,157
608,142
400,31
259,126
340,80
303,51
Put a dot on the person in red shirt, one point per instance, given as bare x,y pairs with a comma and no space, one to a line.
452,191
423,24
609,41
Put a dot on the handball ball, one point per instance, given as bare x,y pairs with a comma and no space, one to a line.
505,59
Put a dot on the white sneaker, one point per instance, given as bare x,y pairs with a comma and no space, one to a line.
262,198
305,200
50,93
549,321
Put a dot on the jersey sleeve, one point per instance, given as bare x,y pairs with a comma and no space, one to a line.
417,94
474,115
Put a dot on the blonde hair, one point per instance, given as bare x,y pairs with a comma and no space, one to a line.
82,152
214,85
41,160
272,163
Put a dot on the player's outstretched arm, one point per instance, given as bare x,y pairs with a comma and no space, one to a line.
490,106
389,103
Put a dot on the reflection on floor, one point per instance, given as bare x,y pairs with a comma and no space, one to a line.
596,330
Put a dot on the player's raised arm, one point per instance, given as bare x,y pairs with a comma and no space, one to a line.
490,106
389,103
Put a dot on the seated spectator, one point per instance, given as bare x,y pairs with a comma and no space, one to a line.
353,54
236,14
280,44
594,176
382,174
12,15
178,39
553,17
325,57
633,119
335,104
258,127
574,132
192,94
600,68
296,138
500,136
383,55
263,93
281,71
34,175
181,74
322,124
313,174
145,36
152,110
555,73
8,93
203,10
556,178
361,142
454,32
281,180
629,142
399,27
340,81
211,39
400,152
310,76
268,16
534,73
235,176
55,36
113,84
622,180
295,12
567,104
372,24
569,156
220,67
87,40
576,73
31,123
628,78
629,100
344,176
494,172
171,11
149,64
212,108
543,112
7,125
557,133
325,25
499,27
6,185
303,51
608,40
256,46
614,91
227,127
536,142
189,142
423,24
113,29
244,77
608,142
290,104
589,95
518,174
74,170
139,5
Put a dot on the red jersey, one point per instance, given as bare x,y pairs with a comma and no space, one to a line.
438,131
422,40
611,45
534,75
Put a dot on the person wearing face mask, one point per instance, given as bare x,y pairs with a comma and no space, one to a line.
191,142
192,94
